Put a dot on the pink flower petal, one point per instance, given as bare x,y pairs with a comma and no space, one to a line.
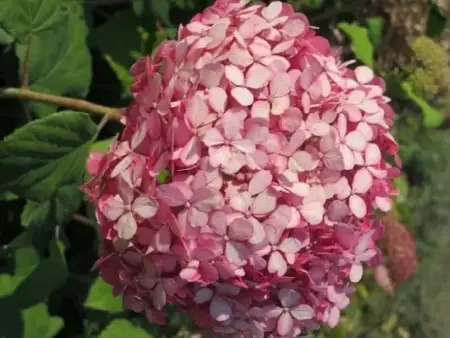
236,252
246,146
145,206
283,46
285,324
258,232
277,264
163,239
191,152
203,295
362,181
196,110
301,161
239,56
356,273
258,76
356,141
259,182
213,137
261,109
174,194
334,160
313,212
364,74
302,312
207,199
219,156
220,309
113,208
240,230
333,317
217,99
126,226
373,154
159,297
337,210
263,204
290,245
271,11
234,75
280,85
260,48
296,25
242,95
219,223
357,206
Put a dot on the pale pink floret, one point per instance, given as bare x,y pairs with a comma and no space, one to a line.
274,157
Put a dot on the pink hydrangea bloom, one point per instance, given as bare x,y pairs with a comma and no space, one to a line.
276,153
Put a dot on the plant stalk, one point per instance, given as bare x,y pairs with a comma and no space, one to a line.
68,102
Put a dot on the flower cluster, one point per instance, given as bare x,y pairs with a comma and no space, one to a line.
275,154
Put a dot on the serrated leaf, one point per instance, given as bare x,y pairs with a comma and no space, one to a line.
120,328
34,16
432,118
361,45
375,25
45,155
60,62
101,298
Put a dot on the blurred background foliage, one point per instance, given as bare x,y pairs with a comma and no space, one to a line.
84,49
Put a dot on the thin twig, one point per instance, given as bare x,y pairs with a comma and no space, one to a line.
102,122
84,220
68,102
26,76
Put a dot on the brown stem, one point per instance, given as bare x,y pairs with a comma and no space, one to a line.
68,102
84,220
26,76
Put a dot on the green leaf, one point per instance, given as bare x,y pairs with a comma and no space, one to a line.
121,328
26,260
138,6
101,298
102,145
39,324
375,25
60,62
56,211
8,196
361,45
432,118
20,288
124,27
34,16
5,38
45,155
161,10
34,322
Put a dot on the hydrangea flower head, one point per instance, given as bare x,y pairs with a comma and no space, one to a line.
275,151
